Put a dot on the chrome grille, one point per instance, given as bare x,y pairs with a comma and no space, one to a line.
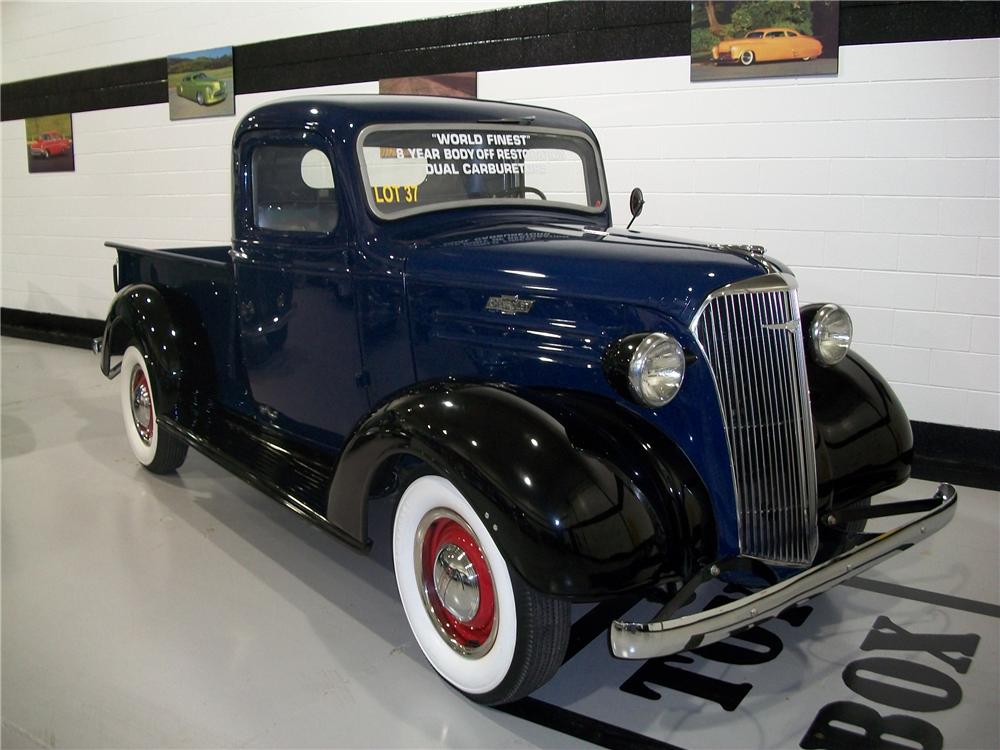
752,336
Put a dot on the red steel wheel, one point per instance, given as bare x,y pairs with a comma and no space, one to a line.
142,405
457,583
157,450
482,628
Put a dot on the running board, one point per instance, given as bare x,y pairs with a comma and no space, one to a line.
294,474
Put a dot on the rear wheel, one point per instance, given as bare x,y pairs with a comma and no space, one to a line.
483,629
158,451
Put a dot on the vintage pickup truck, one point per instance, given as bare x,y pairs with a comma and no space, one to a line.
425,303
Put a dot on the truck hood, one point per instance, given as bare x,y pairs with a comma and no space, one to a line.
668,274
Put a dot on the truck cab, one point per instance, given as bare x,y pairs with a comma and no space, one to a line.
426,302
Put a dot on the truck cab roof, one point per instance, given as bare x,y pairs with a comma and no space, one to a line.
353,112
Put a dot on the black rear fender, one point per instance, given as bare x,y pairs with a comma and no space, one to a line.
584,500
168,329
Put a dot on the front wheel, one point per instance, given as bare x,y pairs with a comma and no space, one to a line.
483,629
748,57
158,451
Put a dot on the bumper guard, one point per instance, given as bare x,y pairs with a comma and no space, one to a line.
631,640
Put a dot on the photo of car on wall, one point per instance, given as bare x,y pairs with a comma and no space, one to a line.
50,143
767,45
763,39
200,84
202,88
463,85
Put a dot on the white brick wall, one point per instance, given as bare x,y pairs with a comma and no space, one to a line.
44,38
878,186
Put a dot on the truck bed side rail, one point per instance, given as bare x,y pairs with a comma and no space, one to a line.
181,254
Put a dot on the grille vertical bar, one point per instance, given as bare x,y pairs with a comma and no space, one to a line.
753,339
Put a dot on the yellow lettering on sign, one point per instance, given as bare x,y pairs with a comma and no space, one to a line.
395,193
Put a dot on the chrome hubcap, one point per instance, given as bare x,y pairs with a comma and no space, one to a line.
142,406
456,582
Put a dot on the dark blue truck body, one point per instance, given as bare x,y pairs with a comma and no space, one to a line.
480,342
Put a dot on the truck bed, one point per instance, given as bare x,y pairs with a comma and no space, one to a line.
198,284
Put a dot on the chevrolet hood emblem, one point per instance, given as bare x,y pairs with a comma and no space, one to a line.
791,325
508,305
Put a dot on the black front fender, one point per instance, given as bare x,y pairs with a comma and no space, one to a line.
864,444
584,500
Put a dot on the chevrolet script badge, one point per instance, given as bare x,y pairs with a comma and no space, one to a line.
791,325
507,305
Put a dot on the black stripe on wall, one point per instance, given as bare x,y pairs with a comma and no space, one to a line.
546,34
53,329
887,22
959,455
942,453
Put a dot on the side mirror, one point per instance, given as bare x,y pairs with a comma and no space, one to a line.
635,204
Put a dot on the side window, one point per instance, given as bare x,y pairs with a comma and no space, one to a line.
792,33
772,34
293,189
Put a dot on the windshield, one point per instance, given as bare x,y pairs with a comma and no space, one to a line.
410,169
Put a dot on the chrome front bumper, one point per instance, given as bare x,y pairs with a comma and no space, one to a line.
631,640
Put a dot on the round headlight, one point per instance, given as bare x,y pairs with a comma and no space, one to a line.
656,370
830,334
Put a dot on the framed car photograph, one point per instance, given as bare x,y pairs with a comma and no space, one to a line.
764,39
462,85
50,143
200,84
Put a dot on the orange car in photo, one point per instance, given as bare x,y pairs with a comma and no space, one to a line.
767,45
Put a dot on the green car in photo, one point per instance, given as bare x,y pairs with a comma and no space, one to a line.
202,88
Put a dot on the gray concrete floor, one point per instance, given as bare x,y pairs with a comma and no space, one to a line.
192,611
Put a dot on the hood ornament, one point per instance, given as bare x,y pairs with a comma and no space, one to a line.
750,251
506,304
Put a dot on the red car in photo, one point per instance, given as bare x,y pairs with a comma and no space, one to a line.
51,143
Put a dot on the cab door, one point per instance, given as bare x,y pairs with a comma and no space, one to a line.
295,296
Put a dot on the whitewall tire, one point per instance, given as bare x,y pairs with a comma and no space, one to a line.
479,625
159,452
